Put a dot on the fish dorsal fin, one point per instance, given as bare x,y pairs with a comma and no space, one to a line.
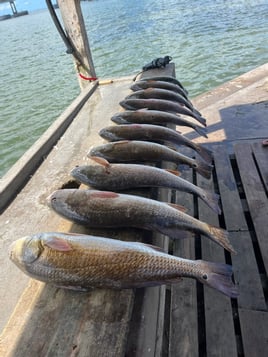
59,244
100,160
173,172
178,207
142,110
154,247
122,142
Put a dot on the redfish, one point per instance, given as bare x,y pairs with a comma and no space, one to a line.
117,177
167,79
127,151
156,117
106,209
158,93
144,84
149,132
83,262
162,105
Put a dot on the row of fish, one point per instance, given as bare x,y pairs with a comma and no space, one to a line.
82,262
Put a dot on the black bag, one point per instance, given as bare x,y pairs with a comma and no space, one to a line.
160,62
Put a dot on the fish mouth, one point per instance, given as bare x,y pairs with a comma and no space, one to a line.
108,135
16,249
11,251
50,199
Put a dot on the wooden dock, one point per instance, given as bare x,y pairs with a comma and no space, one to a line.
186,319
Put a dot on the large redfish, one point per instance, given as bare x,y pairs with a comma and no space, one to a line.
145,84
156,117
155,133
140,151
162,105
82,262
167,79
158,93
106,209
117,177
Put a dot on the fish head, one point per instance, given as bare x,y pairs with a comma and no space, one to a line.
107,150
118,119
127,104
25,251
101,150
109,134
135,87
66,201
89,174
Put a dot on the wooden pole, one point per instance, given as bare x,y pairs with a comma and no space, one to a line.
75,29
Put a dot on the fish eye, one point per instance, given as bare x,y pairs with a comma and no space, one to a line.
205,277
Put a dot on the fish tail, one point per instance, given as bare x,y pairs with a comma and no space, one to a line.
201,131
196,112
220,236
203,168
212,200
205,153
219,277
200,119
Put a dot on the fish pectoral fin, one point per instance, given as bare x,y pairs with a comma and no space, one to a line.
174,172
59,244
172,147
122,142
100,161
178,207
76,288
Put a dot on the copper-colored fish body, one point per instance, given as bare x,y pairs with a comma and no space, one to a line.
109,209
82,262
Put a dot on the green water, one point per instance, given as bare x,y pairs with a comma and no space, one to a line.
211,42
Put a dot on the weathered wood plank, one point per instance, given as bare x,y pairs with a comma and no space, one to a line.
233,212
244,263
254,327
220,333
255,194
76,31
183,311
246,274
